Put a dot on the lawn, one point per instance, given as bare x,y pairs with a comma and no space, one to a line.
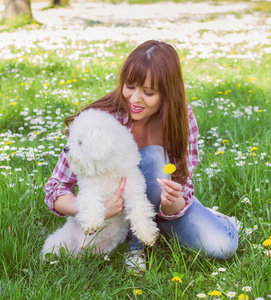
229,88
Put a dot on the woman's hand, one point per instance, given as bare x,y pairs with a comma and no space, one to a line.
115,204
171,200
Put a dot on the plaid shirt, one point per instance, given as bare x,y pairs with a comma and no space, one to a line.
63,181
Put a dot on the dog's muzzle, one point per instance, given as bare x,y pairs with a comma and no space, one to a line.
66,149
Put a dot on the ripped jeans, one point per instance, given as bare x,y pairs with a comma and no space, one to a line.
199,228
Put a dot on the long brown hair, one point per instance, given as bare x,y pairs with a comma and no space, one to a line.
163,63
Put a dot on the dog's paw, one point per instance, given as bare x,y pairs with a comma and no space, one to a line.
148,235
90,231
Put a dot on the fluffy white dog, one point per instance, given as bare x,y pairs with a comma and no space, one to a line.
100,151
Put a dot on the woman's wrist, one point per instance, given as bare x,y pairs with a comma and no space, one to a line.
173,208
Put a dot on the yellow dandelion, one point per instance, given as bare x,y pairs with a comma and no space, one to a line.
69,81
253,149
57,137
249,91
227,92
219,152
74,80
176,279
75,103
267,243
215,293
22,83
219,93
242,297
61,82
36,132
239,68
169,168
137,292
225,141
103,63
239,84
8,143
194,98
87,70
260,110
12,103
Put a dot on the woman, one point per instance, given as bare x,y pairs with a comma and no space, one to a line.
150,101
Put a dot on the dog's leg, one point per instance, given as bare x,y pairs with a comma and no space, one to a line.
91,210
138,209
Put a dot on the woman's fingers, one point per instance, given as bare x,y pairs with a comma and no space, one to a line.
170,188
120,189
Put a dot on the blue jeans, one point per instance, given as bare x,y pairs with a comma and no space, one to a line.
199,228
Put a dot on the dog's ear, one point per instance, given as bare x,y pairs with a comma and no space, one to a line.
101,143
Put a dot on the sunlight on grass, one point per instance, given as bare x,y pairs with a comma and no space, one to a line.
228,84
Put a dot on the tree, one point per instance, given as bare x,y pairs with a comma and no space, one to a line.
14,8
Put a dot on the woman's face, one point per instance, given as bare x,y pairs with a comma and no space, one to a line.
143,100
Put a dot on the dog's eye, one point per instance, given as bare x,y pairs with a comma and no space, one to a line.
80,142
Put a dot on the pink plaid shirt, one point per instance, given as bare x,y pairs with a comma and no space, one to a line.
63,181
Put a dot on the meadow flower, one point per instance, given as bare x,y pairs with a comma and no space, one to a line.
267,243
201,295
215,293
259,298
231,294
245,200
253,149
246,289
137,292
221,269
243,297
169,169
176,279
248,231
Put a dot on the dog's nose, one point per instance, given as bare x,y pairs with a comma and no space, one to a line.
66,149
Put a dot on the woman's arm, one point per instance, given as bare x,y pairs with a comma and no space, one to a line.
171,200
65,205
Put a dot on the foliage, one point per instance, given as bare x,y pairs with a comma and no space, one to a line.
231,99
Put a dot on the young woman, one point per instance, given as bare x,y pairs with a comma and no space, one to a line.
150,101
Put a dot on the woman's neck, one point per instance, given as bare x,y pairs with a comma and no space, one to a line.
147,133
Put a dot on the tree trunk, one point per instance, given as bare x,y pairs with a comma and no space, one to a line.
13,8
56,2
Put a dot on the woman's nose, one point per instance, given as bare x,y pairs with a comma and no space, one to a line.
136,95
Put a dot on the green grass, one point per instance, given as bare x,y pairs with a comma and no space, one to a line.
231,98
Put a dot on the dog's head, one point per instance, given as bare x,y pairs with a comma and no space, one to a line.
92,141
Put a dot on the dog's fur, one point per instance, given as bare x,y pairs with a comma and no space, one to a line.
100,151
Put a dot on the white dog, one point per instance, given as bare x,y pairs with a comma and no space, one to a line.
100,151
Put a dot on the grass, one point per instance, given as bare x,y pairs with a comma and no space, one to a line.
231,98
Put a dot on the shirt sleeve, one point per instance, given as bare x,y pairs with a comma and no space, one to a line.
192,161
62,182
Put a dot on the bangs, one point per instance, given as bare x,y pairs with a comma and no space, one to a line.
136,72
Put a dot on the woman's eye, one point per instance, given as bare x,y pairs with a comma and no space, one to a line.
130,87
148,94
